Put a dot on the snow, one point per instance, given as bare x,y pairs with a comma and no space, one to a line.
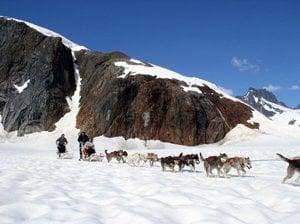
21,88
283,118
135,67
46,32
189,88
38,188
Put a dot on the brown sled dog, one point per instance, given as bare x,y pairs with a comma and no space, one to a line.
214,162
294,166
238,163
118,155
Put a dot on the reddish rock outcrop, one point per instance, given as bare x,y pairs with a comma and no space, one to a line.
147,107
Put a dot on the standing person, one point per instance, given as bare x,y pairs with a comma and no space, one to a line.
61,143
82,139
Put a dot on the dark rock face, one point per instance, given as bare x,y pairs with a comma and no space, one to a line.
254,97
146,107
297,107
26,54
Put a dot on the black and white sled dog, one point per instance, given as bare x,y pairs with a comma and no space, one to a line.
293,167
181,161
170,162
189,160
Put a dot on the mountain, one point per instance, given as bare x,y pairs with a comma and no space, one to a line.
260,99
297,107
267,103
41,74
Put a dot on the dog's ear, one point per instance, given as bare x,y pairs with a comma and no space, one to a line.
180,155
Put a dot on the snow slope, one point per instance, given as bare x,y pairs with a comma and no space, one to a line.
286,116
38,188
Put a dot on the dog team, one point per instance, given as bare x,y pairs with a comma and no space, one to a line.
221,163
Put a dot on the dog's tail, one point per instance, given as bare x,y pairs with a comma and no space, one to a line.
201,157
106,153
284,158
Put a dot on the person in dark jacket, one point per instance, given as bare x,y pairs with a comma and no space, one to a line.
82,139
61,143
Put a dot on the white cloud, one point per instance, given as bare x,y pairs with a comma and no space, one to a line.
228,91
295,87
272,88
243,64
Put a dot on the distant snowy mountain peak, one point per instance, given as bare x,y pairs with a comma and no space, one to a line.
261,100
267,103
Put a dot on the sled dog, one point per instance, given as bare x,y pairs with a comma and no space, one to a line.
214,162
118,155
293,167
189,160
238,163
152,158
170,162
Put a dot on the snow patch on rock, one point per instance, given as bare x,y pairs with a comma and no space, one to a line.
189,88
21,88
136,67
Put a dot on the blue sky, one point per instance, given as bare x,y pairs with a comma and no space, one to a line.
233,43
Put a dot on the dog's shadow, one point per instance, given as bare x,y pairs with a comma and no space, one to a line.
183,171
190,171
243,176
294,184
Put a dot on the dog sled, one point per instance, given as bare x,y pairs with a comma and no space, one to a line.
94,157
64,155
89,153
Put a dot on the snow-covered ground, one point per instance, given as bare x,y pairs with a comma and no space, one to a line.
287,116
35,187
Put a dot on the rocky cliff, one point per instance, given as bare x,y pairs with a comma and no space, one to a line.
36,76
